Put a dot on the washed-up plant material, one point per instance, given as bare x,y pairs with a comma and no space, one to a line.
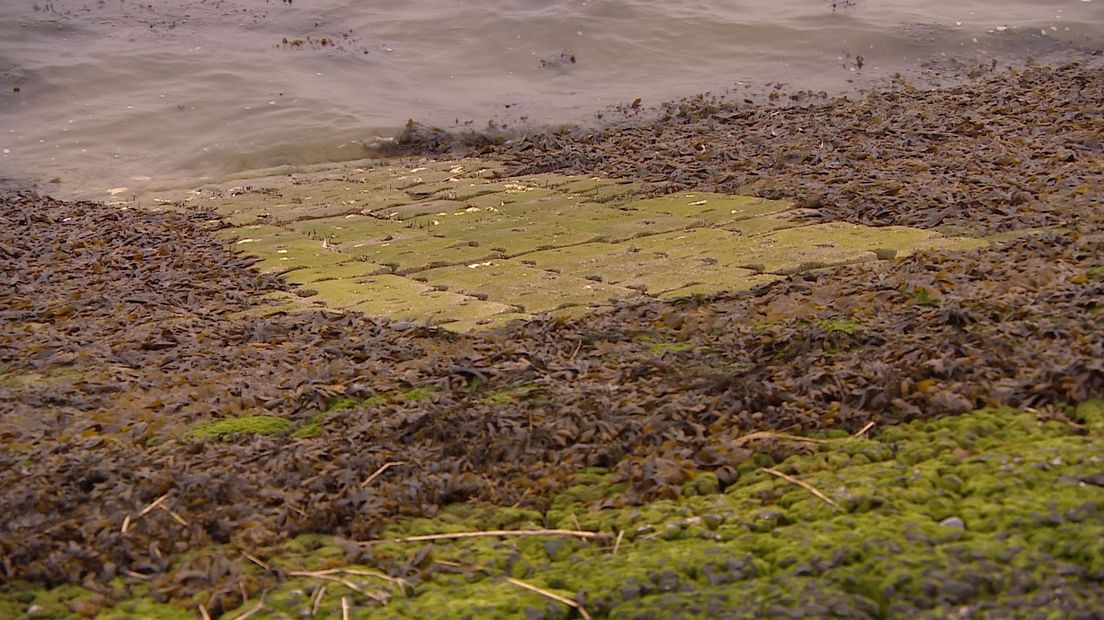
147,415
1010,150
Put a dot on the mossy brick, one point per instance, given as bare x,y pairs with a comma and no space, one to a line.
309,201
420,177
518,198
568,223
425,207
511,236
836,242
343,271
281,249
485,323
651,271
764,224
277,302
462,189
597,189
404,299
531,290
348,230
473,213
413,250
771,253
718,282
716,209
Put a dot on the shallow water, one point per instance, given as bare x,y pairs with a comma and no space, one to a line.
97,96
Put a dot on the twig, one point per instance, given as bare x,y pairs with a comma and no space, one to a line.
203,613
552,595
502,533
458,567
617,544
379,472
344,608
862,431
255,560
345,582
179,519
250,611
317,602
364,572
805,485
149,507
154,504
130,573
757,435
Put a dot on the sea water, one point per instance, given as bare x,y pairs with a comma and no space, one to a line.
101,95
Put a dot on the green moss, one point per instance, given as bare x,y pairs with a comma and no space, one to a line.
244,425
416,394
924,298
771,544
845,326
1095,272
310,429
1091,414
314,426
933,516
344,402
23,600
510,395
659,348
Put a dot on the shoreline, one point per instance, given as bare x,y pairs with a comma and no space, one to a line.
115,317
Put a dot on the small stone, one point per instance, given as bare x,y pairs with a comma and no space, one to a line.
954,522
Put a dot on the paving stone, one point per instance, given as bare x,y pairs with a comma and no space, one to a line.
453,244
414,250
651,271
404,299
716,209
348,230
281,249
596,189
353,269
485,323
530,290
425,207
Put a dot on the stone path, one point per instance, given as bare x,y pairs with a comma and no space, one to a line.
457,245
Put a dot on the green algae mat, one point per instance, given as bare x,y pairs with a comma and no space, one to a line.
992,510
455,244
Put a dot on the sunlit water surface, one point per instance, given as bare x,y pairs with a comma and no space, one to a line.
101,95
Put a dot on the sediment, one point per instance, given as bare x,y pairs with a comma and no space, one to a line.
124,334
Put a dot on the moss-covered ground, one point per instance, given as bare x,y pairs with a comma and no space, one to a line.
997,509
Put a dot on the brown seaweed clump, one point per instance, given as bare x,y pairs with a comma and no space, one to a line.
1015,149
